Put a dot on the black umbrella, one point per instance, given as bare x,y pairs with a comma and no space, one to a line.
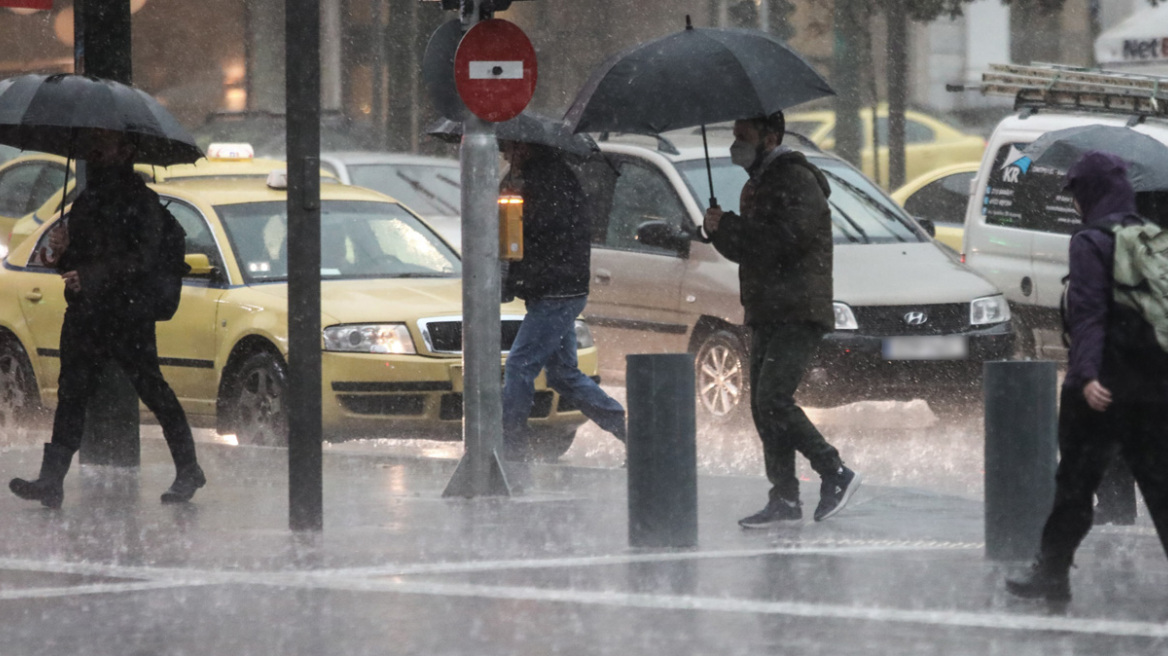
528,127
58,114
694,77
1147,158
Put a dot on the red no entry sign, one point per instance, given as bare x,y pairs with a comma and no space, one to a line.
494,70
43,5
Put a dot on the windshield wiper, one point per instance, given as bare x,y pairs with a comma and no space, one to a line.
863,196
855,226
421,189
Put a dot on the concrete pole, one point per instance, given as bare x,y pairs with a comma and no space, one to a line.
480,473
331,75
302,83
102,47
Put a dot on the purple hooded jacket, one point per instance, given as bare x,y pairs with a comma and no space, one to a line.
1098,181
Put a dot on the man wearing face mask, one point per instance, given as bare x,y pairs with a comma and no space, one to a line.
106,255
782,242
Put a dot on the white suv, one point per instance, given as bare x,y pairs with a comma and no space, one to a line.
911,320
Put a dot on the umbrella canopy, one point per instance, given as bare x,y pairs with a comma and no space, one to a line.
694,77
528,127
1147,158
58,114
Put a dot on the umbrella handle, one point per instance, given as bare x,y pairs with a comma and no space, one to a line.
709,173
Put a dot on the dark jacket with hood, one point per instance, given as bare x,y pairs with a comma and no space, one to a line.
115,232
1108,342
782,242
557,248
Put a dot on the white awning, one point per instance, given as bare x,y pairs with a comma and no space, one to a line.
1138,42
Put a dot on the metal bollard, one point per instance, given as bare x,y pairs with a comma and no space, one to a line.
1021,455
662,452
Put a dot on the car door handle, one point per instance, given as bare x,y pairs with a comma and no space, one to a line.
603,277
35,295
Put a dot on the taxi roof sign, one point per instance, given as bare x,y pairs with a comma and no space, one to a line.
230,151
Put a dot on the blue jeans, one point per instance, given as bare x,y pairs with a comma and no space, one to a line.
547,340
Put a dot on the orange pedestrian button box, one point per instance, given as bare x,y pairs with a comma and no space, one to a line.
510,227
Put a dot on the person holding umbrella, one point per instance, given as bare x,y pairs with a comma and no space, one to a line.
112,255
1114,399
783,245
552,278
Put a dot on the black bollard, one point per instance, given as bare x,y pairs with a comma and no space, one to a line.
662,453
1021,454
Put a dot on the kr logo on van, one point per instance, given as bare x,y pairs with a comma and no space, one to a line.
1016,165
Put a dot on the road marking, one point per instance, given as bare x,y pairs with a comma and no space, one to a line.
96,588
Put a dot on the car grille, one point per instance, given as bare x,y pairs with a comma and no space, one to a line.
892,319
445,335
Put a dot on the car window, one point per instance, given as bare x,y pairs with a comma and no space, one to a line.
199,236
914,131
424,189
943,200
17,186
1021,195
860,214
359,239
51,179
642,194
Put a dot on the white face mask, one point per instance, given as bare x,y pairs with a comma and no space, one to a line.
743,153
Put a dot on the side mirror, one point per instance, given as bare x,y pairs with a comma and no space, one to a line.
928,226
200,264
660,234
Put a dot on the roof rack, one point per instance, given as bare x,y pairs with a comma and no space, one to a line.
1042,86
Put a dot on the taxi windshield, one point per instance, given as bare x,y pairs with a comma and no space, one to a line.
358,239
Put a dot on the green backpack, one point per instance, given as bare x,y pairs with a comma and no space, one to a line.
1141,274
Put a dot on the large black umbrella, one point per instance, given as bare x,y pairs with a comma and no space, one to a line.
1147,158
694,77
58,114
528,127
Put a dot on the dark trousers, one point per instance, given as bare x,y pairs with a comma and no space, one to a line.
1088,442
87,344
779,354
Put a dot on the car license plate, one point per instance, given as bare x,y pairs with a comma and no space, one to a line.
931,347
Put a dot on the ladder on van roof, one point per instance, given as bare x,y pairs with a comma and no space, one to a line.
1043,86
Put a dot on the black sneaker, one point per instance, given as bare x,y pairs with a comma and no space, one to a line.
1042,581
776,512
835,491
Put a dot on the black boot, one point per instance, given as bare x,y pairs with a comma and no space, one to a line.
48,488
188,479
1044,579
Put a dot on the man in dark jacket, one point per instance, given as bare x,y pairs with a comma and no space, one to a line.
783,246
106,257
552,278
1115,394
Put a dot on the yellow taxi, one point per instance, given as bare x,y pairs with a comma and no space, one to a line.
940,196
929,142
391,328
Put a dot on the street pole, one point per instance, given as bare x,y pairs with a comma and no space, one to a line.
897,91
845,79
102,48
480,472
302,92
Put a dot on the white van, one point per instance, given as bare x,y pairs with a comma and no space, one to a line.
1018,222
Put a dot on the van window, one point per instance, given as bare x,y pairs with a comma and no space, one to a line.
1020,195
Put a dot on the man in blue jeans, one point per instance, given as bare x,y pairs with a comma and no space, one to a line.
552,278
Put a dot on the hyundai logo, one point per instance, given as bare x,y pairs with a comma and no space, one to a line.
916,318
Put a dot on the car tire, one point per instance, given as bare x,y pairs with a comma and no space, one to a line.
20,402
257,401
722,377
549,444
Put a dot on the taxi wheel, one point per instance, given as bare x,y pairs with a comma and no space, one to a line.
548,444
19,397
722,378
257,401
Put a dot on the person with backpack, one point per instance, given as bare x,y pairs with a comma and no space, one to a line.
1114,400
121,259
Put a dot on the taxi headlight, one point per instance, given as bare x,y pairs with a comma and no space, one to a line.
844,318
369,338
988,309
583,335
